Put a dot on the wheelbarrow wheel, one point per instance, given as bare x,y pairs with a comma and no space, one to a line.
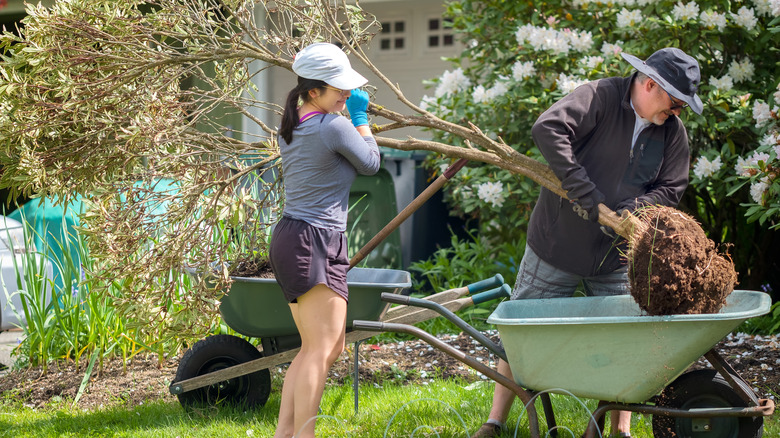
215,353
705,389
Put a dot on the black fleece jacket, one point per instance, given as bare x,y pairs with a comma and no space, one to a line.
586,139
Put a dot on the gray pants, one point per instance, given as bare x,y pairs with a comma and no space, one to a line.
539,279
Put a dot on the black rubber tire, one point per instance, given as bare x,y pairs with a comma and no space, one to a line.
215,353
705,389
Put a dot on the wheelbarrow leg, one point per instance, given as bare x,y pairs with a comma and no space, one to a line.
549,415
356,370
525,396
731,375
596,424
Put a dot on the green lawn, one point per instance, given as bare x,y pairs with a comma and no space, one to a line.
441,409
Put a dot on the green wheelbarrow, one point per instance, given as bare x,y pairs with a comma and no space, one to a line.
605,348
226,369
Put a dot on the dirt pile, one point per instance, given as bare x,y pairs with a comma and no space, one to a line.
674,268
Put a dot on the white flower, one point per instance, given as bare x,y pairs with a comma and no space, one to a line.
567,84
742,168
758,188
771,139
612,49
705,168
759,156
745,166
763,7
761,113
722,84
581,42
523,70
626,18
546,39
523,32
431,104
492,193
777,149
745,17
592,62
452,82
498,89
713,20
741,70
685,12
479,95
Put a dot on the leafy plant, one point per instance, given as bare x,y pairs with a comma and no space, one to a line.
520,57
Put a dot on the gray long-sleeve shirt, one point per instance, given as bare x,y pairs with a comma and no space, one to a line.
586,136
319,166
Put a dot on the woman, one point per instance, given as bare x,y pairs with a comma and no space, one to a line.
321,155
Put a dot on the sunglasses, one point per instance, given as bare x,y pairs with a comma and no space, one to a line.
339,90
675,104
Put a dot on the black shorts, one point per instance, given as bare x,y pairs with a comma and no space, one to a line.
303,256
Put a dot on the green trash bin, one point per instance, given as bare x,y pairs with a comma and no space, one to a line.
53,228
372,206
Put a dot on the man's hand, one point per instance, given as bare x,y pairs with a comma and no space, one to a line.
583,194
587,207
624,213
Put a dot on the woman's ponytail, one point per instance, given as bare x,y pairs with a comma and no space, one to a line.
290,116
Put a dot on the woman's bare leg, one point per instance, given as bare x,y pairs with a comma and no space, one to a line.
321,321
285,427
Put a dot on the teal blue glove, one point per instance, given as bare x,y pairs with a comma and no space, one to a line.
357,104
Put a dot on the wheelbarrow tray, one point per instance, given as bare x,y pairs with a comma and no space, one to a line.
256,306
605,348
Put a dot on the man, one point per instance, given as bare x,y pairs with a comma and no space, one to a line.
617,141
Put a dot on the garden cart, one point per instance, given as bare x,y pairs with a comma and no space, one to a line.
229,369
606,348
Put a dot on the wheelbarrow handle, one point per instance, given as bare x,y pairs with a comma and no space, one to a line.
494,281
500,292
449,315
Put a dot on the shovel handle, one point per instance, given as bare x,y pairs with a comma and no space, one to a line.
406,212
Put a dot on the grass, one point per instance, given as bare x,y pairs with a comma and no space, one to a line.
442,408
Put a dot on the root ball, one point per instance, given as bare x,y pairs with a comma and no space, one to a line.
674,268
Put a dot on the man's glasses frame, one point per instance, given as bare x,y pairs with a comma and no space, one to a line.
675,105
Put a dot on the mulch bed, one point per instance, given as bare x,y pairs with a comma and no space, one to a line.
143,380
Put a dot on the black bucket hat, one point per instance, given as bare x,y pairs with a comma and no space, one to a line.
675,71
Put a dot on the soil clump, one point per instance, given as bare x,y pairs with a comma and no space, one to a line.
674,268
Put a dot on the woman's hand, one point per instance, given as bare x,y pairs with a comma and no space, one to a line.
357,104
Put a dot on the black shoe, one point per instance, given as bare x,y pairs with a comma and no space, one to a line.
488,430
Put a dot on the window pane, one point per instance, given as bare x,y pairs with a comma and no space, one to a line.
433,41
433,24
399,43
448,40
384,44
399,26
385,27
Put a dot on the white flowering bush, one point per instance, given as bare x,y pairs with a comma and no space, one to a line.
520,57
